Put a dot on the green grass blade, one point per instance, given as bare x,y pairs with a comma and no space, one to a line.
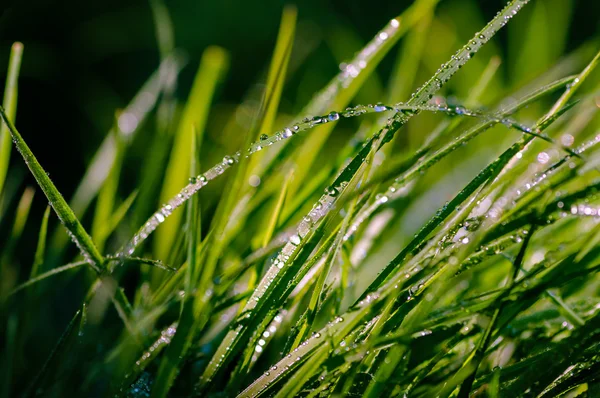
106,200
58,203
211,71
38,278
10,104
163,26
22,215
40,250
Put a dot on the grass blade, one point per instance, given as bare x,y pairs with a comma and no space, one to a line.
213,66
10,104
58,203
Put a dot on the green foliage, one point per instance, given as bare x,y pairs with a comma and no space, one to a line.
427,247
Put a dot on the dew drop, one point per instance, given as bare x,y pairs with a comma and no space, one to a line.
295,239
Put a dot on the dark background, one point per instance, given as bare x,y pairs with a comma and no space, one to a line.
84,59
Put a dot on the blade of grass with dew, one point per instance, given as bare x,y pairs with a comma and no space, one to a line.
399,182
342,41
273,277
270,228
213,66
10,104
58,203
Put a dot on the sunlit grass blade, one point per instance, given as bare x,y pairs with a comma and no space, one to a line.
106,199
211,71
10,104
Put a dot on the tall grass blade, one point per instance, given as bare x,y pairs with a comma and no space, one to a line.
58,203
10,104
211,71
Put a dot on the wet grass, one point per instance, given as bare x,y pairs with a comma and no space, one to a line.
423,245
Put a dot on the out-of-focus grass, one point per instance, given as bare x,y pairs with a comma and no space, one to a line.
327,235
